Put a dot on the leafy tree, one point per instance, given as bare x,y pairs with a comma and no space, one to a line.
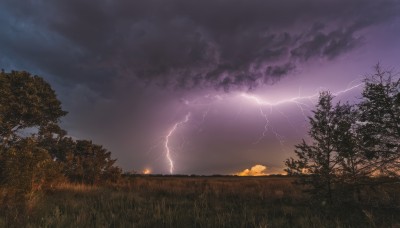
31,163
26,167
81,161
87,162
51,137
25,101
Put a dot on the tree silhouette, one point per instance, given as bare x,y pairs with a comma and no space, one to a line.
319,159
352,145
27,163
379,125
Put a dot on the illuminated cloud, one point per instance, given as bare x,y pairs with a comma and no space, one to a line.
257,170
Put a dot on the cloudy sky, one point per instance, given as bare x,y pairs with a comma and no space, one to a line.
130,72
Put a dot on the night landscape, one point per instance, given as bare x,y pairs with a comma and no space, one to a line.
189,113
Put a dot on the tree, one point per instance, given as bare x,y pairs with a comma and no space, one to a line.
26,167
352,144
81,160
351,173
379,123
331,151
31,163
90,163
25,101
52,138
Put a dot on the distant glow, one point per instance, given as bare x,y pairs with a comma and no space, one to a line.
257,170
146,171
167,139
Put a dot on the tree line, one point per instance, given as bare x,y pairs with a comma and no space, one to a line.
35,152
353,146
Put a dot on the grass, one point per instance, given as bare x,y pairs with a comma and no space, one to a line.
197,202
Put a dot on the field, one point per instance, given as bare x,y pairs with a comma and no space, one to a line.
146,201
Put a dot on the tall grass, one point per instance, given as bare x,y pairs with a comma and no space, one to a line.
197,202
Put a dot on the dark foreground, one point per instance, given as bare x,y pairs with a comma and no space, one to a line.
200,202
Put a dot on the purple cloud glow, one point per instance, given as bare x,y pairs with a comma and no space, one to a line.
127,71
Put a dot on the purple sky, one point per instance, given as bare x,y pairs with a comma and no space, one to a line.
128,71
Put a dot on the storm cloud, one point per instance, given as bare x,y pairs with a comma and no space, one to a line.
128,70
179,43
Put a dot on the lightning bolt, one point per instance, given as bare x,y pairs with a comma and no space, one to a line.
347,90
299,101
295,100
167,140
302,102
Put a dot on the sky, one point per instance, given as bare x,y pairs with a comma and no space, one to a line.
198,87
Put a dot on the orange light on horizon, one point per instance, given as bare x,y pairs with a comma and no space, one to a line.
256,170
146,171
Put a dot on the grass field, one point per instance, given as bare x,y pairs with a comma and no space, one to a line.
145,201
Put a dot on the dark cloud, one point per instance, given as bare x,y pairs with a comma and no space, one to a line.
181,43
120,69
325,45
278,71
